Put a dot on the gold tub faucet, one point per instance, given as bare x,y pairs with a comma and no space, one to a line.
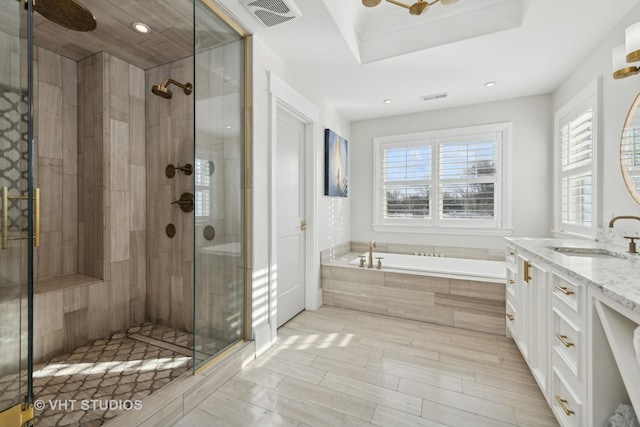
372,244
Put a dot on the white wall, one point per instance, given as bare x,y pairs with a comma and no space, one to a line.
531,160
616,98
333,214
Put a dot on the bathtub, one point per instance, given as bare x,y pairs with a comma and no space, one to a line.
453,268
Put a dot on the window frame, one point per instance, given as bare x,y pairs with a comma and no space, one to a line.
501,225
589,96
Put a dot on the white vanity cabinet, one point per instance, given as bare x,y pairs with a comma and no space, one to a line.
532,304
574,321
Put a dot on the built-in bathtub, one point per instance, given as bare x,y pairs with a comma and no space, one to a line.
455,268
457,292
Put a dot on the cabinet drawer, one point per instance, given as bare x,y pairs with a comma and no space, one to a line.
511,316
570,293
568,406
568,339
510,255
511,284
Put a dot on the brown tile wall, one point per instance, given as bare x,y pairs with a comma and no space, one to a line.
56,163
170,127
466,304
105,188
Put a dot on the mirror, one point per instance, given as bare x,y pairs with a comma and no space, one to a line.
630,150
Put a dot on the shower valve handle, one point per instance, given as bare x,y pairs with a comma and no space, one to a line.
185,202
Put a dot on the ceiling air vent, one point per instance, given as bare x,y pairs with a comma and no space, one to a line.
434,96
272,12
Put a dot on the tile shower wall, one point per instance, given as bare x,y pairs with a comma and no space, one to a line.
111,217
56,163
170,124
112,168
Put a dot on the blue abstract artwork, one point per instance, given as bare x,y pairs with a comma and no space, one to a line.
336,162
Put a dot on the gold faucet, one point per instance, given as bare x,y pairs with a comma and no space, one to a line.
372,244
632,244
615,218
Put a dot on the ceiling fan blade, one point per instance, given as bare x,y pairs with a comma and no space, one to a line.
418,8
447,2
371,3
397,3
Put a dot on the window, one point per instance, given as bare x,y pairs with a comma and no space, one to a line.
576,161
203,172
442,181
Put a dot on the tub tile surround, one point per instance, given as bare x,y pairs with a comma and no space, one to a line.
615,277
466,304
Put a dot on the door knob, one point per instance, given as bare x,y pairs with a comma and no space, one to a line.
303,225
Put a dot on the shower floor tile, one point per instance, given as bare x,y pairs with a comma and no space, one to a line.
97,382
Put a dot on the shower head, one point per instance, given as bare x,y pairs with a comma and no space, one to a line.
162,90
68,13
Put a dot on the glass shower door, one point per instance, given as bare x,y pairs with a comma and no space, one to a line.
219,174
16,199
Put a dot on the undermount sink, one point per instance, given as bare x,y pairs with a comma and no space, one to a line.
588,252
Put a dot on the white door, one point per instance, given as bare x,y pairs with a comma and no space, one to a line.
290,199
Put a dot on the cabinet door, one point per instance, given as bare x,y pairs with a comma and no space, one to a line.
532,335
539,324
522,305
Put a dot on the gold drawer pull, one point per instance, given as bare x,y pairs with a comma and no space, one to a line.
511,253
563,339
511,281
563,405
510,316
527,276
564,290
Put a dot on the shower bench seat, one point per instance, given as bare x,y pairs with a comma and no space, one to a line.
63,282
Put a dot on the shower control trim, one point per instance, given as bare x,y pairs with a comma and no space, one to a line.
170,170
185,202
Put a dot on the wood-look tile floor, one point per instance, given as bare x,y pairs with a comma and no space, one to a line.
336,367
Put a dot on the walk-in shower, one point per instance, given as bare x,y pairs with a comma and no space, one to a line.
110,288
163,91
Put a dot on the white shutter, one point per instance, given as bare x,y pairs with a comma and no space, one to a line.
576,160
468,178
406,184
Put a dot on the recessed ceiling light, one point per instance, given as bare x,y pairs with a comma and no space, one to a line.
490,84
387,101
228,126
141,28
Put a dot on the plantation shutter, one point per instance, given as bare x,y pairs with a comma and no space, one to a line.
468,178
406,186
576,161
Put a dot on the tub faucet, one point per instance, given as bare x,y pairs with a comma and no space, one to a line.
372,244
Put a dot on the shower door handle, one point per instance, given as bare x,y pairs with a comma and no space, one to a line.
5,217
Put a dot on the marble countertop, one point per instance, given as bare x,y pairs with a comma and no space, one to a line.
617,276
